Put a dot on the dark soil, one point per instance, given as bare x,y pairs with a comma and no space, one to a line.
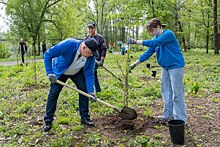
200,128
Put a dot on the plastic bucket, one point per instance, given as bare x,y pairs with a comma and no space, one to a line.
176,128
153,73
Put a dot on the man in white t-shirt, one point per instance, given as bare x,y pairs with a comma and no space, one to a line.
72,59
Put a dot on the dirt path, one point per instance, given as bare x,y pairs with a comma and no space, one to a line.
9,63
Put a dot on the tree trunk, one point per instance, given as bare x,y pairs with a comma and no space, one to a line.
207,42
123,34
216,47
34,63
136,32
38,44
133,32
183,38
218,42
97,15
111,33
107,35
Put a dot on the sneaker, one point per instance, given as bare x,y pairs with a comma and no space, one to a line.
162,119
48,126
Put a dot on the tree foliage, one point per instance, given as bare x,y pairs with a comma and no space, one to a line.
191,20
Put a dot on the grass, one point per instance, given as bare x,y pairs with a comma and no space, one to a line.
22,102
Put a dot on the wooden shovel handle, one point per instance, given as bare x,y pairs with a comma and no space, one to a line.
87,95
109,71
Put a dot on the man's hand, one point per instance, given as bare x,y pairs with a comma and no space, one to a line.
93,96
131,41
100,63
52,78
132,67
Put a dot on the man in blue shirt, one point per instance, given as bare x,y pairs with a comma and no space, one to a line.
170,58
72,59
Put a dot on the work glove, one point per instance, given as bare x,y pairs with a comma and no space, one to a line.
93,96
131,41
52,78
100,63
132,67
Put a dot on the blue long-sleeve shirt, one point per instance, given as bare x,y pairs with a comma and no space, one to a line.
58,58
168,51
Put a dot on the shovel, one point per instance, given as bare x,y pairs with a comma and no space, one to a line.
126,113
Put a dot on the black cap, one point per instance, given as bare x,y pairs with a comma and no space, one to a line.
91,24
92,44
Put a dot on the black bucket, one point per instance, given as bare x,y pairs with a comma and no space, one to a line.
176,128
153,73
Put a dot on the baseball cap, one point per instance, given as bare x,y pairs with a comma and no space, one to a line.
91,24
92,44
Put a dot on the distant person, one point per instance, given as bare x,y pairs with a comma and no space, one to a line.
44,47
170,58
123,50
22,49
75,60
102,49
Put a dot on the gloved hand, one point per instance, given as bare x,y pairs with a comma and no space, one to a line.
131,41
52,78
100,63
94,97
132,67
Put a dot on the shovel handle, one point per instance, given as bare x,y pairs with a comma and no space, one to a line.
87,95
109,71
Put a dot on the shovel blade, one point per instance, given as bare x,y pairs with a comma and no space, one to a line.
128,113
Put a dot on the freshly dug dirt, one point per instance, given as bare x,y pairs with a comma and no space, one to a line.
203,125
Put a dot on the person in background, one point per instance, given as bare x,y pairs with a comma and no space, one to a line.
102,49
170,58
72,59
44,47
123,50
22,49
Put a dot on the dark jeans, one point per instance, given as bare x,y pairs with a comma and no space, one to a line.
22,56
55,90
97,85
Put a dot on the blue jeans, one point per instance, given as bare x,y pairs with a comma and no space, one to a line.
172,90
55,90
97,85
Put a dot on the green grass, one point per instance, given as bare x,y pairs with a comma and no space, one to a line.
22,101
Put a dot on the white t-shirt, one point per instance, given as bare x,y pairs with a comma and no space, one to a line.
76,65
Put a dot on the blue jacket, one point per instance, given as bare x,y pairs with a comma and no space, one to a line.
58,58
168,51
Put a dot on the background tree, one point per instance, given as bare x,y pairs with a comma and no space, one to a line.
216,47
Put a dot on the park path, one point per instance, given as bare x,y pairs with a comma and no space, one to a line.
9,63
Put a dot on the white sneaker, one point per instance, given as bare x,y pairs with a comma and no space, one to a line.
162,119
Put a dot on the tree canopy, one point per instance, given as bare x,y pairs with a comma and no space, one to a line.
191,20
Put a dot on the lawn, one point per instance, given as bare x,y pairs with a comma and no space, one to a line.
22,106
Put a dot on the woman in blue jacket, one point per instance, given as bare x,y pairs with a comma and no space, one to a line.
170,58
72,59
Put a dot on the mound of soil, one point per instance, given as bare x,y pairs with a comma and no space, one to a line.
114,123
116,129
